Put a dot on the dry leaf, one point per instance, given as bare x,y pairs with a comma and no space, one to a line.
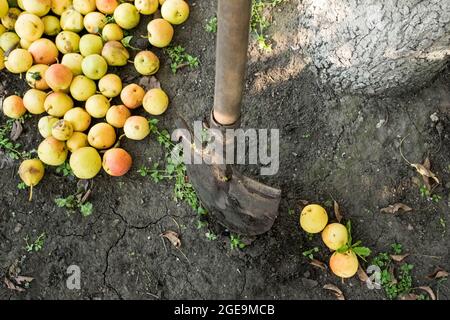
362,275
16,130
173,237
318,264
336,291
337,211
394,208
438,274
429,291
149,83
392,275
399,258
12,286
409,296
424,172
22,279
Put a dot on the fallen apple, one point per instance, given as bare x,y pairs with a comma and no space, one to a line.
73,62
91,44
68,42
84,6
37,7
110,85
146,63
132,96
18,61
117,162
115,54
117,116
72,20
29,27
175,11
102,136
85,162
58,77
146,7
136,128
82,88
44,51
79,118
8,41
31,173
77,140
107,6
13,107
9,21
51,26
97,106
35,77
313,218
34,100
344,265
127,16
156,101
160,33
94,22
52,151
335,235
112,32
58,103
45,125
94,66
59,6
62,130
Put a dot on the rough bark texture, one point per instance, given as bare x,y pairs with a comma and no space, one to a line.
376,46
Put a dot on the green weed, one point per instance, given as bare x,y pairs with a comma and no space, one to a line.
180,59
72,203
211,25
236,242
36,245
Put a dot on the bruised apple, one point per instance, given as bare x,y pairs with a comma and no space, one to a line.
72,20
68,42
115,54
31,173
35,77
94,22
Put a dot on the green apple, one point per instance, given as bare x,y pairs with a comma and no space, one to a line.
94,22
94,66
8,41
146,63
91,44
51,25
112,32
18,61
146,7
29,27
72,20
82,88
127,16
37,7
73,62
84,6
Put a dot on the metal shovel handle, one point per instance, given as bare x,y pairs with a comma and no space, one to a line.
231,59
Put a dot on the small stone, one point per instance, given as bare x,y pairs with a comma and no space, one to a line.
18,228
309,283
307,274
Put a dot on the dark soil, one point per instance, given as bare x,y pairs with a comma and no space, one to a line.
331,148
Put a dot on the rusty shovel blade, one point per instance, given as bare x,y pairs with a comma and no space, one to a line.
241,204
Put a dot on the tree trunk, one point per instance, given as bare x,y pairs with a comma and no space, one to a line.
375,46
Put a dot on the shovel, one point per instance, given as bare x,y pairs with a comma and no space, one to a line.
241,204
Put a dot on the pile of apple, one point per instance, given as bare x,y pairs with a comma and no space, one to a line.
65,47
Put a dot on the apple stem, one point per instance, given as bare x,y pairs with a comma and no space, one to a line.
31,194
129,61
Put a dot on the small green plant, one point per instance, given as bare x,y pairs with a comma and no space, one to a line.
425,193
394,285
210,236
126,41
360,251
236,242
201,224
211,25
310,253
11,148
36,245
397,248
22,186
64,169
291,212
260,21
73,203
180,59
172,171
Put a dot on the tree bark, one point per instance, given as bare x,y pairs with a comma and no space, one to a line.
375,46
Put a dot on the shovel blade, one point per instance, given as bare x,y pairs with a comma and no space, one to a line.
241,204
